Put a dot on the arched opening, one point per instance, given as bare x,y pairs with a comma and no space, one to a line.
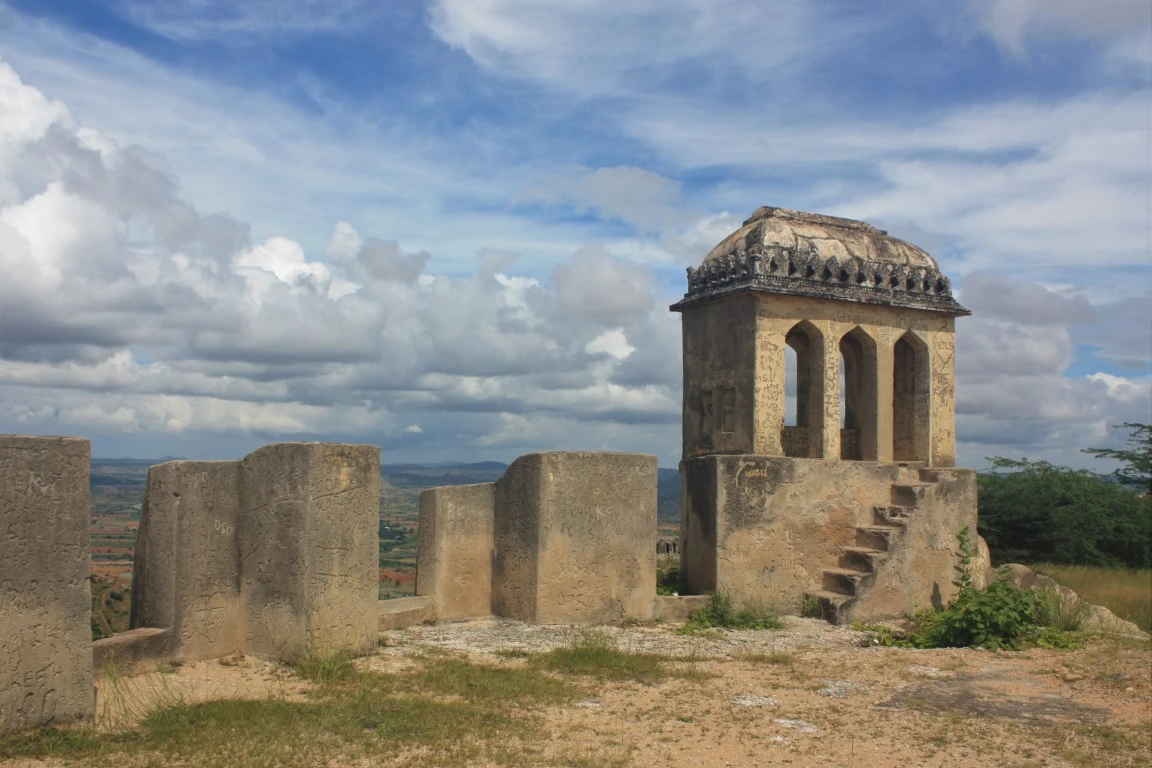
911,399
858,392
804,438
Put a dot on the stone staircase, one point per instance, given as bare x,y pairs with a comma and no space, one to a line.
859,564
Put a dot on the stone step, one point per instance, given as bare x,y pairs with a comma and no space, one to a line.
877,536
831,604
862,558
910,494
910,471
843,580
891,514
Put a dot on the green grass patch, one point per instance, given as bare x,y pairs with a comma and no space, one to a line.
1126,592
722,613
449,712
595,653
324,669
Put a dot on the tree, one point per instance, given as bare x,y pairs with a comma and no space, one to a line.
1034,511
1137,458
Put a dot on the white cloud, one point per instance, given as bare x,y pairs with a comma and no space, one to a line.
602,47
1012,22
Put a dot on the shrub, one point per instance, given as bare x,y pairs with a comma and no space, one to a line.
722,613
1002,616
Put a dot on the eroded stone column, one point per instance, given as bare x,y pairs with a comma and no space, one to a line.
309,548
827,409
186,573
457,539
884,412
943,355
769,396
45,598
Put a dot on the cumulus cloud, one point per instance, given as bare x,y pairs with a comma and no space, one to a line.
124,309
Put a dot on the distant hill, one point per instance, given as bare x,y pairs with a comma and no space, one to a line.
417,476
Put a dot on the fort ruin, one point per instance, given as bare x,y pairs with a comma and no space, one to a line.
849,501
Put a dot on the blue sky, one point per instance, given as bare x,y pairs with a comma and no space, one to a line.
453,227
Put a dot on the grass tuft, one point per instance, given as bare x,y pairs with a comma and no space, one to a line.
1125,592
324,668
595,653
722,613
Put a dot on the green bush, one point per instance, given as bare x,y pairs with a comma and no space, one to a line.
1002,616
722,613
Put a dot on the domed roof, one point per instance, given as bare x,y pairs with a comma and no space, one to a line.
808,254
822,236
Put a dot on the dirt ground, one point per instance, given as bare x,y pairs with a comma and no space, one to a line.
809,695
812,695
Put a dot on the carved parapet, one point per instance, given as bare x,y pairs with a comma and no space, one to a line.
776,269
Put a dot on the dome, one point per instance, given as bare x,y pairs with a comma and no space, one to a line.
809,254
825,237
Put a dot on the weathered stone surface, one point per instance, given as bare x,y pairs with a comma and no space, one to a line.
45,601
576,538
679,608
899,398
404,612
770,528
454,558
309,548
186,573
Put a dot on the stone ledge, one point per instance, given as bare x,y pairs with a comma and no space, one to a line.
405,612
677,609
133,650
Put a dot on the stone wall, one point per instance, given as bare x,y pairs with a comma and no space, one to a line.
45,600
456,548
274,555
571,537
769,527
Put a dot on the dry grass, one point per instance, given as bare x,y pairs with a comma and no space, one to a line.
1127,593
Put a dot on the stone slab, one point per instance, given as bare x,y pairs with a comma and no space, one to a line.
677,609
309,548
455,549
404,612
45,597
187,568
133,651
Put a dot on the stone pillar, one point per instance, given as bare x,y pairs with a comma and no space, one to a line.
309,548
186,573
943,356
884,413
827,413
769,397
45,597
576,538
454,558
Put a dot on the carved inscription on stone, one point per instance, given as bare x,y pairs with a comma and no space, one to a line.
45,602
